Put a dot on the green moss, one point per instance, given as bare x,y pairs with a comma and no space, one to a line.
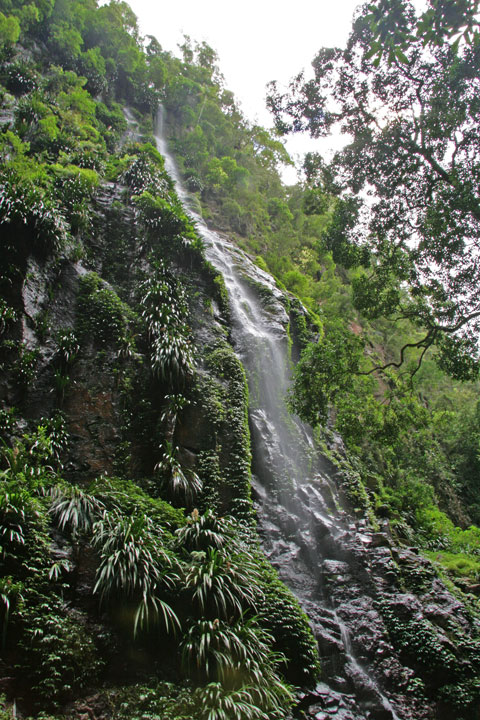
235,457
449,668
458,564
281,614
131,498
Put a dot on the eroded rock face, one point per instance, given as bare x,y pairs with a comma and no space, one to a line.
386,626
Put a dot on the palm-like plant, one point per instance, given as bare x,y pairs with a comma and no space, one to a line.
248,702
216,703
74,509
204,531
135,566
221,587
215,650
182,483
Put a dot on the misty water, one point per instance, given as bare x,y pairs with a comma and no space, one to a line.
301,521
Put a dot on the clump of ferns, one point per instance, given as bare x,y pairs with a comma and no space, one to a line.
182,484
164,309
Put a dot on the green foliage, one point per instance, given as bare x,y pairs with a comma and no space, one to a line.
246,703
213,650
280,613
221,586
160,216
392,32
129,497
135,566
103,317
202,532
324,370
9,30
164,310
75,510
56,652
29,217
181,483
406,165
25,365
455,677
157,700
232,392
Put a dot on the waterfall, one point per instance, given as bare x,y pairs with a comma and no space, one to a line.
305,533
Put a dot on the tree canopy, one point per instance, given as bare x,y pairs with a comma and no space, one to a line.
407,183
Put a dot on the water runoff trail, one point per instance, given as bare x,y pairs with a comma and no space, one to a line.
305,533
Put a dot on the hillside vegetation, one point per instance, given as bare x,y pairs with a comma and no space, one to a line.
132,574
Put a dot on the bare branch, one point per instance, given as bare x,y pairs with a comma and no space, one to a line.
425,343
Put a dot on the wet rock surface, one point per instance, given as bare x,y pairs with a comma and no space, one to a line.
349,581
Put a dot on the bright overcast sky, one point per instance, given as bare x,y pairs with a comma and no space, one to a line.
256,40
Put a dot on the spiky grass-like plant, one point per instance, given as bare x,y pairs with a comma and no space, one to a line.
248,702
204,531
73,509
136,567
219,586
216,703
165,311
184,484
215,650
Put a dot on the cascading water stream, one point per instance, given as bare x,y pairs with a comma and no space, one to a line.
301,522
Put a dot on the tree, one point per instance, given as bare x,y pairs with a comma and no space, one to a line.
9,30
441,19
407,185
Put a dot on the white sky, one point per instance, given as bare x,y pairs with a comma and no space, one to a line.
256,41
